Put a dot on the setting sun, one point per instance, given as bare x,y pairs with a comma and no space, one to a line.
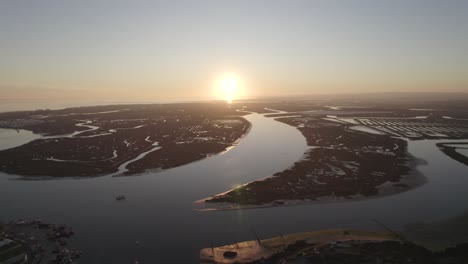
228,87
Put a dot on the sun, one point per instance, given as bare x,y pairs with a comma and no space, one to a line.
228,87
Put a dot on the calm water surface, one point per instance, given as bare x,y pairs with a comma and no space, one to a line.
11,138
158,210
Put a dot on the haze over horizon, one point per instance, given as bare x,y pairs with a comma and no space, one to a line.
104,51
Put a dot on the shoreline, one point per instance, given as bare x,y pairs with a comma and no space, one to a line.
333,246
200,205
253,251
452,152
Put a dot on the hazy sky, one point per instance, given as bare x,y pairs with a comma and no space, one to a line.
175,50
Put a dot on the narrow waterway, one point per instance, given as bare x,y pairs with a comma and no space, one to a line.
158,210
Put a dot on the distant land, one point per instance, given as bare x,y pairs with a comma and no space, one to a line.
356,150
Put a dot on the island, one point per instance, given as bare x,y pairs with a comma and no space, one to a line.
120,139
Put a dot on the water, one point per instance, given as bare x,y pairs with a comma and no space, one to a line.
158,210
464,152
11,138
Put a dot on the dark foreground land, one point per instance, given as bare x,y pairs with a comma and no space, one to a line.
122,139
333,247
355,151
36,242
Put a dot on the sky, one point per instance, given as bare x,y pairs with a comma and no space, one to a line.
120,50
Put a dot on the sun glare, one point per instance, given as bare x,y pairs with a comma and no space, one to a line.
228,87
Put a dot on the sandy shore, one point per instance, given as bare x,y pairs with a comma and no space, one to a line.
255,250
